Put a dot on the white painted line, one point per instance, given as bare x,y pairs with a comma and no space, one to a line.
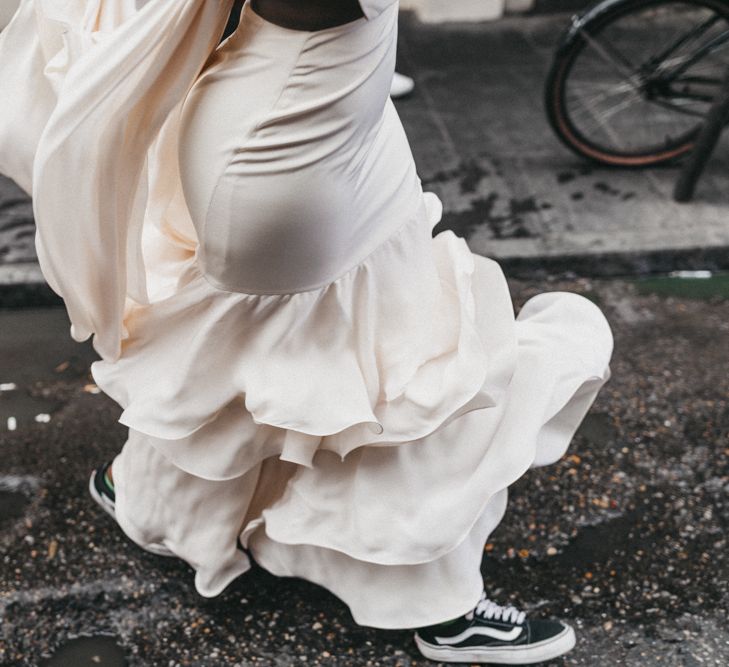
690,274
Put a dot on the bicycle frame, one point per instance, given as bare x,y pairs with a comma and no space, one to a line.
711,47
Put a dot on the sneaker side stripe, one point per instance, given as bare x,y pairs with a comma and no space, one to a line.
501,635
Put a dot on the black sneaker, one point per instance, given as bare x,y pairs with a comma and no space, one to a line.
494,634
101,491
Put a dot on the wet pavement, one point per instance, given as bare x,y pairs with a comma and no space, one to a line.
625,537
88,651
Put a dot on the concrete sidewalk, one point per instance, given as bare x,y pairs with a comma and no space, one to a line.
478,131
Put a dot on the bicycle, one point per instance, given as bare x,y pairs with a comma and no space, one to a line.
632,81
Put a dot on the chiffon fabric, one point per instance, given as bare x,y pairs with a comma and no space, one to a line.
305,371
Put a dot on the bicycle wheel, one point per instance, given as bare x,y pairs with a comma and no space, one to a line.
632,81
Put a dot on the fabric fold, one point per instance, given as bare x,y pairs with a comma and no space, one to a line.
386,354
112,76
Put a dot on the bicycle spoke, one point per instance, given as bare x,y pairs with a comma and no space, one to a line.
697,31
600,116
609,130
642,79
611,111
711,47
610,56
589,107
593,100
699,80
677,107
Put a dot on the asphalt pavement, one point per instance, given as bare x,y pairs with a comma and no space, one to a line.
625,537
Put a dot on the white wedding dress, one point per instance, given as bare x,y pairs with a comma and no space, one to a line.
302,366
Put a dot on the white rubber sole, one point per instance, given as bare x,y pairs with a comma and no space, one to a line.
102,501
108,506
502,655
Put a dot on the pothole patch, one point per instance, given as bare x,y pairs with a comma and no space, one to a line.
12,506
94,651
598,428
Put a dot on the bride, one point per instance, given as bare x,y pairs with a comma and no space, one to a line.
309,377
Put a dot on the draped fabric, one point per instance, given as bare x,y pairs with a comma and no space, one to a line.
358,419
108,74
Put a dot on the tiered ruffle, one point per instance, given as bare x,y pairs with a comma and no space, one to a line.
406,391
386,354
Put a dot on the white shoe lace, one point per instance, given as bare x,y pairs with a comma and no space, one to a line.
489,610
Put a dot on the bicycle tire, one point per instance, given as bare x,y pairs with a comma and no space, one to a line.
594,20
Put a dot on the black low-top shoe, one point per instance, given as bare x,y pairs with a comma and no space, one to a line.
101,491
497,635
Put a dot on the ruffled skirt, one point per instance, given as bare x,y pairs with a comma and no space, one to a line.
318,378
